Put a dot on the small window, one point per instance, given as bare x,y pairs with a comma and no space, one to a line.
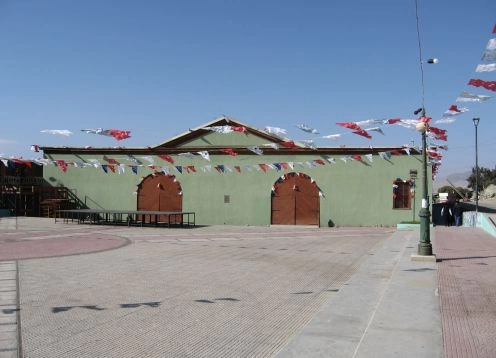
402,194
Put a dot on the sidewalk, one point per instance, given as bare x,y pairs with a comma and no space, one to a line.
389,308
467,278
245,292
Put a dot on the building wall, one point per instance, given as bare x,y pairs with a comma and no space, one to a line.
355,193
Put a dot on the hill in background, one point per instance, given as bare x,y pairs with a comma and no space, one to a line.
457,179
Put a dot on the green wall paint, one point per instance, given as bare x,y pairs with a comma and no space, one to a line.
354,193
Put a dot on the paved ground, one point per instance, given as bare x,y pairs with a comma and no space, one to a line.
241,292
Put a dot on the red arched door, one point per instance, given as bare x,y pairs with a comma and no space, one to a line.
160,192
295,201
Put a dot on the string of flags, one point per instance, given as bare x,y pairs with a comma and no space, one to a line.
116,133
119,165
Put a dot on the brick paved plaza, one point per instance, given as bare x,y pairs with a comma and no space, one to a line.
69,290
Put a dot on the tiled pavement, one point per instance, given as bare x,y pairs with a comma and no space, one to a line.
8,310
231,292
467,278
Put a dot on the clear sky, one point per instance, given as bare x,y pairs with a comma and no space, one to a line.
159,67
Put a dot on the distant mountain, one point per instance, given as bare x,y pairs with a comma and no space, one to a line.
457,179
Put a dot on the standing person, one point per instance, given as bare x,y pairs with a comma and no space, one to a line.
457,213
446,214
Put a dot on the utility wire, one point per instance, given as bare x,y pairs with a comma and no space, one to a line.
420,51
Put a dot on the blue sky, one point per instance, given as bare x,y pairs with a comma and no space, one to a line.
157,68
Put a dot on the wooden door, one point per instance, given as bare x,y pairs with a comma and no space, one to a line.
160,192
295,201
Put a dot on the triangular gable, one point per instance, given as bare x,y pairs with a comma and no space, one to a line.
200,137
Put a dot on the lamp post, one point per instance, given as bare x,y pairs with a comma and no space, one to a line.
476,123
424,246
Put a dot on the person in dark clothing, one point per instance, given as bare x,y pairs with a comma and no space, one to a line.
446,214
457,213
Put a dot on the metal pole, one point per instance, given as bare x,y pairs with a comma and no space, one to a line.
476,123
424,246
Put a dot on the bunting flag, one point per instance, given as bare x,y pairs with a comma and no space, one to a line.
110,160
272,145
489,85
392,120
188,155
255,150
116,133
220,129
385,155
134,169
179,168
289,144
264,167
166,157
332,136
105,168
369,157
226,129
375,129
469,97
112,168
369,122
437,131
491,44
220,168
276,131
239,129
307,129
308,143
489,55
149,159
205,155
486,68
62,132
119,134
94,162
35,148
453,111
238,168
121,168
190,169
229,151
363,133
356,157
349,125
408,123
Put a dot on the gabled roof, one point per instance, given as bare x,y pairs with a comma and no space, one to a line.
183,139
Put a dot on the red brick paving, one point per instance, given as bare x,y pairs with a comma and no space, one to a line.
30,245
467,281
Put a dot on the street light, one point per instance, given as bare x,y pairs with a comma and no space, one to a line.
424,246
476,123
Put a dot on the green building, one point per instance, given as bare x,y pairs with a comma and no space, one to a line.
228,172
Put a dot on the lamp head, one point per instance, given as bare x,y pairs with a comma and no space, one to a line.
421,127
417,111
476,121
433,61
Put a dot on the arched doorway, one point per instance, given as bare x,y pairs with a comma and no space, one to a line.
160,192
295,200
